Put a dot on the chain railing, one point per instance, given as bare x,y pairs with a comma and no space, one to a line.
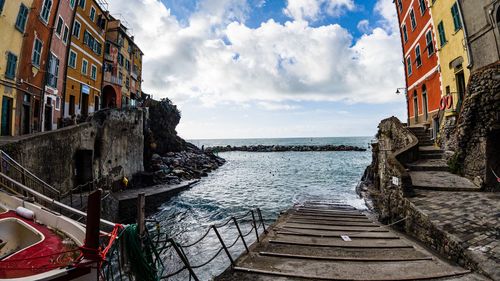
166,250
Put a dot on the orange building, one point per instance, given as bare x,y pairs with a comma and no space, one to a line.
122,66
421,62
85,57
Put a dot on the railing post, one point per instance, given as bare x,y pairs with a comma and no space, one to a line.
255,226
261,220
184,260
223,245
241,234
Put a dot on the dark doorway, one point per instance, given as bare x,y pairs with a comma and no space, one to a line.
109,97
83,168
85,104
424,103
25,115
493,160
6,116
96,103
460,80
71,105
415,106
48,115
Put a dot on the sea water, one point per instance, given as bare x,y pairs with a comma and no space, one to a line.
271,181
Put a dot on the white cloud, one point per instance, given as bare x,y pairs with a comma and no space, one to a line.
364,26
387,9
217,59
312,9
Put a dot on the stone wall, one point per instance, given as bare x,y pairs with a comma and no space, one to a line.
479,121
391,187
105,149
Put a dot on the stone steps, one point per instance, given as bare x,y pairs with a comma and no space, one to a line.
441,181
429,165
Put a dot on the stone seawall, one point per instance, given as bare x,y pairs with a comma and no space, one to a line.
107,148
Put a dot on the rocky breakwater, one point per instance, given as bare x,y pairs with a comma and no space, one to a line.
282,148
192,163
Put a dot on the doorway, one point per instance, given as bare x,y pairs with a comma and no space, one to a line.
493,160
83,168
6,116
71,105
48,115
424,103
460,80
85,104
415,106
25,114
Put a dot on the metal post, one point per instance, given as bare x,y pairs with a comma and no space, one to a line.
255,226
184,260
241,235
223,245
261,220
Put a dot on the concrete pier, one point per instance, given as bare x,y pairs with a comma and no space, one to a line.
318,241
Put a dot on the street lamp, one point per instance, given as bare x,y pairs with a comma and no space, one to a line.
398,92
405,90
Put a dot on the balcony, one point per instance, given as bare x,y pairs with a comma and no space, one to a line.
112,79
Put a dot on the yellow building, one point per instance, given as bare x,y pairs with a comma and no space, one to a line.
85,60
452,53
13,18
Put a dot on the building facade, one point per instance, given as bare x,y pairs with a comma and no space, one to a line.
33,64
122,67
423,87
85,60
13,21
482,27
453,57
56,68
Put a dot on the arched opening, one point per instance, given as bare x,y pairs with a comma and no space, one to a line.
109,97
424,103
415,106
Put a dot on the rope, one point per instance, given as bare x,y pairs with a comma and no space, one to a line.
496,176
210,260
197,241
249,232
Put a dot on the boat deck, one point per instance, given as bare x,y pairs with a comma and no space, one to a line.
45,252
318,241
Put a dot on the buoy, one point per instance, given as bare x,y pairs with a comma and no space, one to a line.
442,103
25,213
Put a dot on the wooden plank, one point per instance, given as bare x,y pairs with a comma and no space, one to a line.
333,223
354,259
340,246
336,235
378,229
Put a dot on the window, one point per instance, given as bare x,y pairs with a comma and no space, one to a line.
53,71
400,6
72,3
405,33
10,71
22,16
429,45
76,29
423,7
45,13
93,72
85,65
127,65
82,4
92,14
1,5
72,59
415,106
120,59
442,35
59,26
37,52
66,33
408,65
418,58
127,83
413,20
456,17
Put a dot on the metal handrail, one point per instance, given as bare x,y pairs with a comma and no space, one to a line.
5,156
43,198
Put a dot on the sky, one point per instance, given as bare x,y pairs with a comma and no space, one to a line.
270,68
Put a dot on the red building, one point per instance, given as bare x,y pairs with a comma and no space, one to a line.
33,65
56,68
423,82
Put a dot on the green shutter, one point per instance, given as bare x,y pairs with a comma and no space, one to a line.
1,5
10,72
22,16
442,35
456,17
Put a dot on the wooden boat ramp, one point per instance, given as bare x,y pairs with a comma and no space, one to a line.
333,241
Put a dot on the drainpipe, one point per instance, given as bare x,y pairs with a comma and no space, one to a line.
466,37
68,47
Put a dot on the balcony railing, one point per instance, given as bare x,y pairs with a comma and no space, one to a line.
113,79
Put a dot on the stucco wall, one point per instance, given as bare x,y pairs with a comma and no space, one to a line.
115,138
